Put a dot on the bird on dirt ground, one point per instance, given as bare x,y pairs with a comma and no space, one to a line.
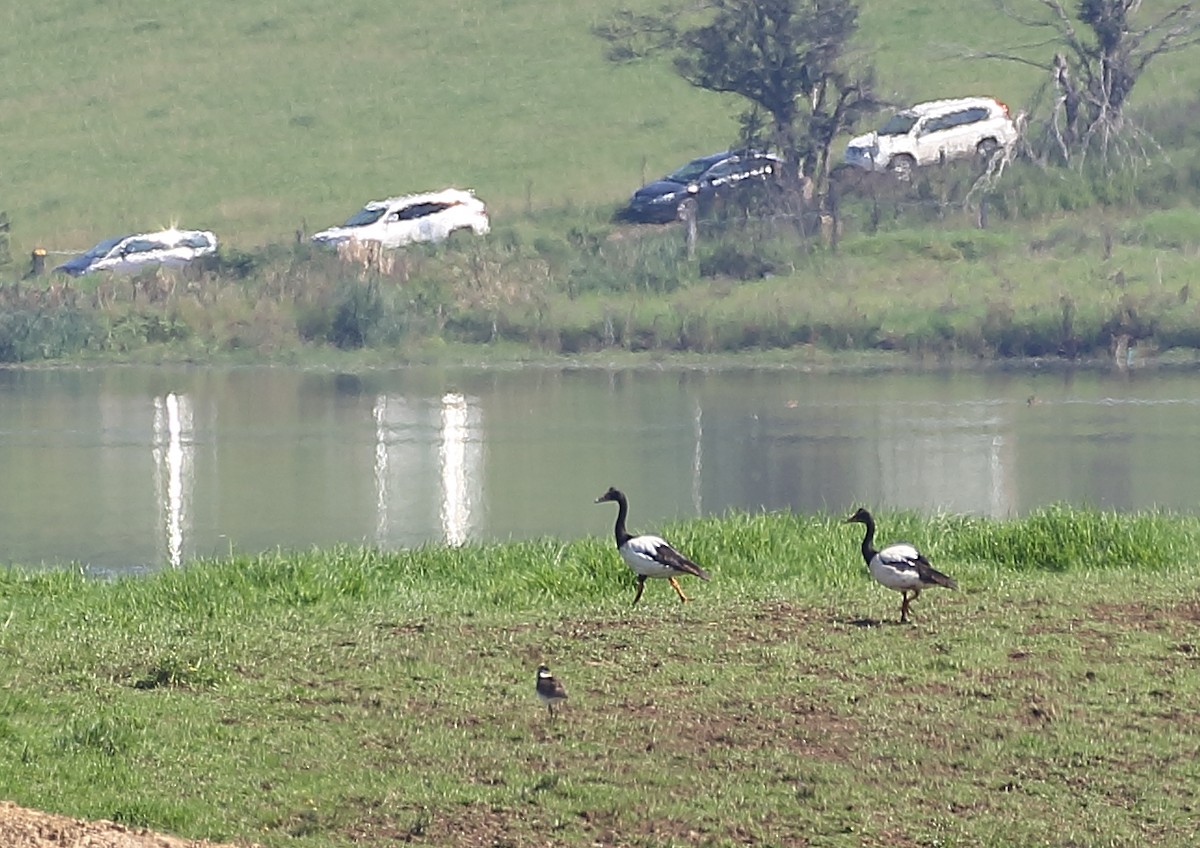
549,690
649,556
900,567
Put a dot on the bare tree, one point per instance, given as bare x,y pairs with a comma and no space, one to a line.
1101,48
788,58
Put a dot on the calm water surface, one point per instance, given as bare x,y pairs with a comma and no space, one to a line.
123,469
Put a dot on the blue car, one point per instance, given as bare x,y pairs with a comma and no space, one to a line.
691,188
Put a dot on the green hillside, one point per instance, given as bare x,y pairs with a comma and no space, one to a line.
257,119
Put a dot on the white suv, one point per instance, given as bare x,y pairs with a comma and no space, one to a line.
397,221
933,132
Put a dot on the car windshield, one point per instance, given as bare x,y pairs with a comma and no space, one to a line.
898,124
103,248
144,245
366,216
690,172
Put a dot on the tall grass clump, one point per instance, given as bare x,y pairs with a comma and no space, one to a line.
33,333
631,261
1061,538
946,245
775,553
1166,229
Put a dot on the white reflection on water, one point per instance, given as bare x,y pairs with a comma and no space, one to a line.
427,468
931,457
459,454
401,430
173,455
379,413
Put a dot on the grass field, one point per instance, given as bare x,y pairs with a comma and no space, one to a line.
256,120
351,697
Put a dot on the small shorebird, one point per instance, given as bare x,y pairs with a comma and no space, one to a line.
649,556
900,567
549,690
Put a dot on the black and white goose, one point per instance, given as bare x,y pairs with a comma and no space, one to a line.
900,567
649,556
549,690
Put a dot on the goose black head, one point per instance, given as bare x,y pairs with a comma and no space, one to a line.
861,516
611,495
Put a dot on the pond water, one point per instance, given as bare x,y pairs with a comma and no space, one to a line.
127,469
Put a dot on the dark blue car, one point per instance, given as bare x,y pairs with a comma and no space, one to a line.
691,188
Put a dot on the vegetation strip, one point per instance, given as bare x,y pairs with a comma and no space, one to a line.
334,697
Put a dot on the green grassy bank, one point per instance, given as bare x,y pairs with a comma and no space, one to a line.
358,697
1083,286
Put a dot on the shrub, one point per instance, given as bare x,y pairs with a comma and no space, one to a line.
357,313
30,334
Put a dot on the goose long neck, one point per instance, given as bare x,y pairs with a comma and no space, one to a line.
868,545
622,534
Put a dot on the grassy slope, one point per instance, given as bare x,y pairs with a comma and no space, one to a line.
257,119
332,699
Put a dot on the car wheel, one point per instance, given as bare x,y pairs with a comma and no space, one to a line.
687,209
902,167
986,149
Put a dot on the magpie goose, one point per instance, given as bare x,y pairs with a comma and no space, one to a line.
649,556
900,567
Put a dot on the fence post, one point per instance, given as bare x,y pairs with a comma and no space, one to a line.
689,220
835,213
37,262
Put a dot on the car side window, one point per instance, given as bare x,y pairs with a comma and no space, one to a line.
964,117
976,115
421,210
722,172
934,124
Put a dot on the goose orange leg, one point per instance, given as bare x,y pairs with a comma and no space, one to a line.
675,584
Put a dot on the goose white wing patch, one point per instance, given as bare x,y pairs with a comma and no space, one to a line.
896,567
899,554
641,553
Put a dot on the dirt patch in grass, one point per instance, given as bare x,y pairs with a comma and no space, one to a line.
22,828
